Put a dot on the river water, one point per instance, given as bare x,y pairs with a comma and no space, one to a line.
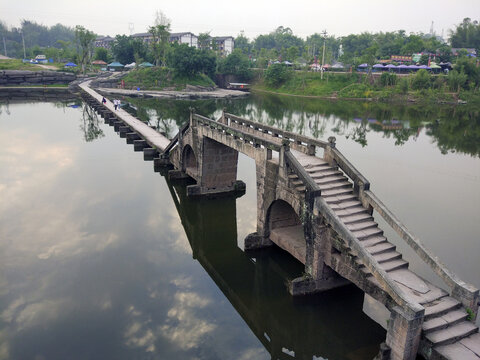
102,258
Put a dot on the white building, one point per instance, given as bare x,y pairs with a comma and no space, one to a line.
225,44
184,38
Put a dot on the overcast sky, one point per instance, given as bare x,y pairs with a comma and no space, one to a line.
254,17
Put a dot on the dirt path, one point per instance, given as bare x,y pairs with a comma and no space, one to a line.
47,67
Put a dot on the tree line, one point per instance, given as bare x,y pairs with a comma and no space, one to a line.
64,43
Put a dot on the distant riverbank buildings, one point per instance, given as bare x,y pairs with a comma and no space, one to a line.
224,44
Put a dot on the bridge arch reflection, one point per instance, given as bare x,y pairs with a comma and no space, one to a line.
321,326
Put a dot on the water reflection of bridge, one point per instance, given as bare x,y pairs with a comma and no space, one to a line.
254,284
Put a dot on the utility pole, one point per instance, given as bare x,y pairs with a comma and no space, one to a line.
4,46
324,33
23,41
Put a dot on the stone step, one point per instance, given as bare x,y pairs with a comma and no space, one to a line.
456,351
329,179
350,211
364,234
317,167
450,318
367,224
355,218
440,307
451,334
391,255
373,240
393,265
338,192
335,185
333,171
381,248
345,198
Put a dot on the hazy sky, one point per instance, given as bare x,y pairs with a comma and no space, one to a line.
304,17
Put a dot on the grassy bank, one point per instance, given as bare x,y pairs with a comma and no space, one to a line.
17,64
163,79
386,87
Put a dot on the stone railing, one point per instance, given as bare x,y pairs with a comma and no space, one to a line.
296,141
255,141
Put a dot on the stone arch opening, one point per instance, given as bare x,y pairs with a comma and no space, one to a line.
286,229
189,160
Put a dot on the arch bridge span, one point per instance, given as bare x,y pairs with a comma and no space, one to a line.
320,210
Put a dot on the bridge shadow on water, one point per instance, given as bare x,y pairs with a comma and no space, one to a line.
331,325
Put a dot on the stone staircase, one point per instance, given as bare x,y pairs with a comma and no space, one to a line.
447,333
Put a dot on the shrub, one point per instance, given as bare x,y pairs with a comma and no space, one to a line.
403,85
456,80
421,80
277,74
388,79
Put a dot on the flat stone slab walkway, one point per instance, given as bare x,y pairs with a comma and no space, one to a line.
152,137
164,94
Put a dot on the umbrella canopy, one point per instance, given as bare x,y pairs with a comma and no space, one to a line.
115,64
99,62
70,64
145,64
378,66
363,65
435,66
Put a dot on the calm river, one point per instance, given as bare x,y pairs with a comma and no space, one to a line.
102,258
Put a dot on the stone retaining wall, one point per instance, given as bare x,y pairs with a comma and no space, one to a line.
29,78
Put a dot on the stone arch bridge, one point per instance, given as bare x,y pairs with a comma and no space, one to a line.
313,203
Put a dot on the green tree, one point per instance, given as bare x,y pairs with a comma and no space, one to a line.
204,40
122,49
238,64
159,43
101,54
242,43
466,35
84,40
187,61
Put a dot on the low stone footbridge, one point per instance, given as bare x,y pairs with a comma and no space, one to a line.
313,203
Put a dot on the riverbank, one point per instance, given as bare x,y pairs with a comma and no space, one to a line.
414,88
171,94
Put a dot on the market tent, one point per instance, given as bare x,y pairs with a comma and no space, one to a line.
70,64
363,65
145,64
131,66
378,67
115,66
99,62
391,67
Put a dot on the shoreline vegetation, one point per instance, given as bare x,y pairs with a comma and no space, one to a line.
420,87
387,87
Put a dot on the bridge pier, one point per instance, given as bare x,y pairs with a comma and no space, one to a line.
403,334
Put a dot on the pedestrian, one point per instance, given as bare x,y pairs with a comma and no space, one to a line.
104,101
115,103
